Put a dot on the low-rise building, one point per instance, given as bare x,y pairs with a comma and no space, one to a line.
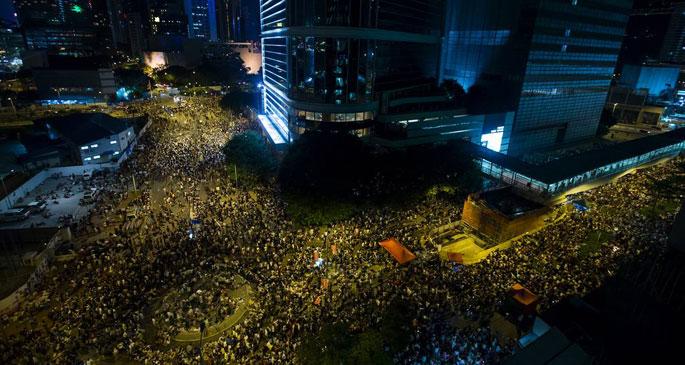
74,81
557,176
94,138
500,214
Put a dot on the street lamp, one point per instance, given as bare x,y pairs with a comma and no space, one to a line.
14,108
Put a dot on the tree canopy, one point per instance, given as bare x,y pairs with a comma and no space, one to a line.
341,165
249,152
238,99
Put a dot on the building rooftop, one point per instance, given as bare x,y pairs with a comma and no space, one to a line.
570,166
82,128
504,200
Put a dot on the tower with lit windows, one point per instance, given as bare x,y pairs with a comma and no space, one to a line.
550,61
327,63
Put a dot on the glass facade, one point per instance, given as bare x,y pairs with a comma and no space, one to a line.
74,28
672,50
573,53
551,61
622,159
167,18
201,19
324,62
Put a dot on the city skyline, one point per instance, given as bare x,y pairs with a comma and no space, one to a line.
339,182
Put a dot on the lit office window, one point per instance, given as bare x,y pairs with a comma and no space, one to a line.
112,142
96,157
94,145
84,147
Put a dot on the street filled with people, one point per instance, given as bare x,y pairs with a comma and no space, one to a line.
175,226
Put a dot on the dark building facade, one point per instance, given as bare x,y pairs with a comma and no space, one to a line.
202,19
674,42
167,18
243,20
550,61
65,27
327,63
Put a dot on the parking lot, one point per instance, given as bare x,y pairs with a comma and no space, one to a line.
62,195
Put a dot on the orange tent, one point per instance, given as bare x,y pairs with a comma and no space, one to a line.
523,295
399,252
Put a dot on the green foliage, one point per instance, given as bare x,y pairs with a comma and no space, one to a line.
324,164
342,166
660,206
207,74
326,175
329,346
249,152
335,345
238,99
133,78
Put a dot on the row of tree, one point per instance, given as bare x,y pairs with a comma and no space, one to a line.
327,168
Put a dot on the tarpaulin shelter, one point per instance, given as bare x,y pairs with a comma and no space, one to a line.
524,296
399,252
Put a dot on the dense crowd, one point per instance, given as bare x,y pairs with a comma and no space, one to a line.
114,301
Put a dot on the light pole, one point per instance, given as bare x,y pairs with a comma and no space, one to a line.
14,108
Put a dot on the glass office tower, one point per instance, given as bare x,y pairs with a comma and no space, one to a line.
673,49
201,19
61,27
549,60
325,62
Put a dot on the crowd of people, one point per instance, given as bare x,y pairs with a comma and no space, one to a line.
203,300
194,224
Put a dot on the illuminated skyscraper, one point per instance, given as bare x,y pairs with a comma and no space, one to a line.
244,20
202,19
167,18
673,50
65,27
325,63
549,60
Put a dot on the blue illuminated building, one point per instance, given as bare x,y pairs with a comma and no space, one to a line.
673,49
549,61
365,67
660,81
202,19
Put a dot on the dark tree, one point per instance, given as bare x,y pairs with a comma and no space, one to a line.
250,153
